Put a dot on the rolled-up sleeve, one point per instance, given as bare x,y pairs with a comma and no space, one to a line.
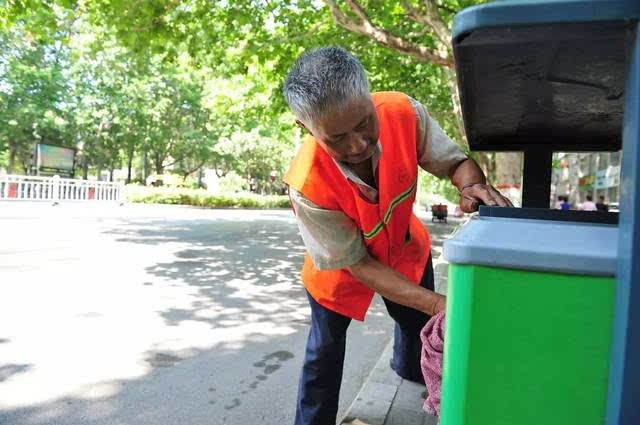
437,153
331,238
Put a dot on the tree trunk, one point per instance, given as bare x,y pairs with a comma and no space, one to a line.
200,175
219,173
129,166
85,168
12,159
111,175
457,106
25,165
509,175
145,168
159,171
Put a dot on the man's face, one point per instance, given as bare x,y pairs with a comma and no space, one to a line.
349,135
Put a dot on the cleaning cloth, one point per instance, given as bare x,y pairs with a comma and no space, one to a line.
432,336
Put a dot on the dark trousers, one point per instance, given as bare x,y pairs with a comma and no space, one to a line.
323,362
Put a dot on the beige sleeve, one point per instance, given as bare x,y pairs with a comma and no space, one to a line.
332,239
437,153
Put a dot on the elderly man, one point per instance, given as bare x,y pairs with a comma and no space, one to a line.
352,185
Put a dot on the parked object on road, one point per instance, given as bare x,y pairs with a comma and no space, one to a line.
439,212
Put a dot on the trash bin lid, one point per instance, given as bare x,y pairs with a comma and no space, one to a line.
546,246
544,73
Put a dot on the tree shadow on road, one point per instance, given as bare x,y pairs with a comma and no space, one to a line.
8,370
240,271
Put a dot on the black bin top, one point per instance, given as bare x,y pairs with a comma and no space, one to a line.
547,73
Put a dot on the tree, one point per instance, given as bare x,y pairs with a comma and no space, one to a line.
230,36
404,45
32,96
100,93
129,103
415,35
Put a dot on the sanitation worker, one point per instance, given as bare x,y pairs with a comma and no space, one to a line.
352,186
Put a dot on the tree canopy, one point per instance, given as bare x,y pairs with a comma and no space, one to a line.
187,84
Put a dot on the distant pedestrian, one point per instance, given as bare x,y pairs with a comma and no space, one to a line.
589,205
601,206
558,205
565,204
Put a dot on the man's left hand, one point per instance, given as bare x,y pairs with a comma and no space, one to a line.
471,197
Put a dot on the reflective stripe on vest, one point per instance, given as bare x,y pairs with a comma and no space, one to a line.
387,216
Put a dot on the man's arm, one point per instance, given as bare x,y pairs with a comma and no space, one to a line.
394,286
334,242
440,156
472,184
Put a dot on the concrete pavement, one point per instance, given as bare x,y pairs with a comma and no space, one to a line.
152,314
149,314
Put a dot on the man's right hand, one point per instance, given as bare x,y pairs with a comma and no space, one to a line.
440,305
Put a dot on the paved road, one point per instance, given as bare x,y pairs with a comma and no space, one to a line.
158,315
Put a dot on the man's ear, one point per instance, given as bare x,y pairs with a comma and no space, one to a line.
304,127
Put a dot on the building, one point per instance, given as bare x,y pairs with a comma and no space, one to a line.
577,175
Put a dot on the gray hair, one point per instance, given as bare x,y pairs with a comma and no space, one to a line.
322,81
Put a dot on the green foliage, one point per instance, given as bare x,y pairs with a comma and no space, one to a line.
32,97
232,183
202,198
431,184
180,86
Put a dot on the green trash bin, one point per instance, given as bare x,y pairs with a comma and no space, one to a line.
529,322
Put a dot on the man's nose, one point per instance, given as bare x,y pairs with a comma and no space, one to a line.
357,145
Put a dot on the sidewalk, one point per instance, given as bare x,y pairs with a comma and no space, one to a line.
387,399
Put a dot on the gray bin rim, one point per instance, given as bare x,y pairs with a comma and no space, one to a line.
537,245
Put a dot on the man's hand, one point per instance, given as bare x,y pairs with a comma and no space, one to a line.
441,304
470,181
472,196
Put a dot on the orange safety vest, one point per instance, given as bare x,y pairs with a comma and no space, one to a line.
392,234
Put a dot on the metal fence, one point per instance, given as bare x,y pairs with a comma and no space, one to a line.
56,189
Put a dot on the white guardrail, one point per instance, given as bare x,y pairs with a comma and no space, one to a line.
56,189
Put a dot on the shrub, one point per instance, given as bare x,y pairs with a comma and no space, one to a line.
232,182
202,198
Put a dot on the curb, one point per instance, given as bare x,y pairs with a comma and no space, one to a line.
387,399
373,402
